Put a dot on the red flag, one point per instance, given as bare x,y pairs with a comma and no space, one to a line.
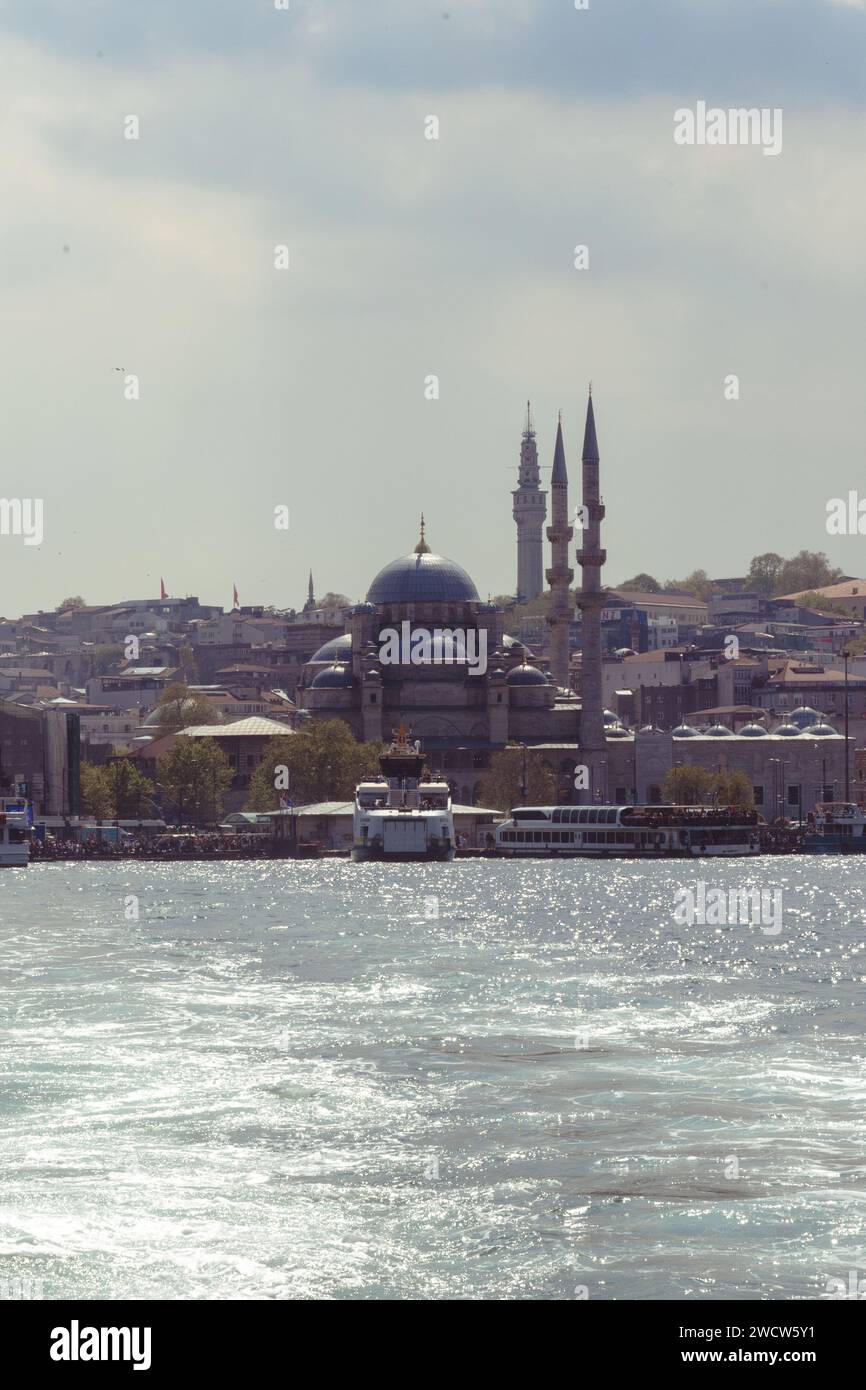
162,592
235,592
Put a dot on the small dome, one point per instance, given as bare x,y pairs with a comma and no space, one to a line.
625,651
718,731
154,719
787,731
512,644
487,607
821,731
363,608
753,731
804,715
684,731
616,731
338,649
526,675
335,677
610,718
422,577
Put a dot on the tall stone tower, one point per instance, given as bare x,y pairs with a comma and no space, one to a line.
529,510
590,601
559,576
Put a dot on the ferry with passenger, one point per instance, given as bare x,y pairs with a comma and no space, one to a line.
835,827
404,814
14,833
628,832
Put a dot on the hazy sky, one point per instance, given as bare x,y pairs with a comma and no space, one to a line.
410,257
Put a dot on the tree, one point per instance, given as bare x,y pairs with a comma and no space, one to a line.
697,583
74,601
96,798
823,604
502,787
104,657
641,584
196,774
181,708
332,600
689,785
129,789
808,569
324,762
764,572
734,789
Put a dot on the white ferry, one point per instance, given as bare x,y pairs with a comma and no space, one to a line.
14,833
835,827
403,815
628,832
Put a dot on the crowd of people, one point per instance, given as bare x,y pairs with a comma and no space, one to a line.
197,845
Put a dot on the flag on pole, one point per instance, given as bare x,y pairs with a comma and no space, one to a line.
162,592
235,593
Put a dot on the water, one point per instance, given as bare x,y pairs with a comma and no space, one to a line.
284,1080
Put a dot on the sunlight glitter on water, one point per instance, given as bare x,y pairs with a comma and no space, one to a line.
290,1080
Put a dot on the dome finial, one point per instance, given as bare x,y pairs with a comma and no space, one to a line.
422,548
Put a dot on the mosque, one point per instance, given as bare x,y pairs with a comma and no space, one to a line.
463,716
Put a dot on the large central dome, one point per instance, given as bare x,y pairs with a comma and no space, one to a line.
422,577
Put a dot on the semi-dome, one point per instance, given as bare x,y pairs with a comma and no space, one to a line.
718,731
512,644
787,731
336,677
753,731
804,716
338,649
422,577
526,675
684,731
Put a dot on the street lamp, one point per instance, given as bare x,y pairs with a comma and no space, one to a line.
845,655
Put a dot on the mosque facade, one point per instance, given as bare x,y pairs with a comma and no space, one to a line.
464,712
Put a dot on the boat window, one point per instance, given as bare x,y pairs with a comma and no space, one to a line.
611,816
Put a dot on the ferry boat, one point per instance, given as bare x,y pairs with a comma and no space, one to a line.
628,832
835,827
14,833
404,814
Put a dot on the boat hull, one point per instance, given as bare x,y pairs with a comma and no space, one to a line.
362,854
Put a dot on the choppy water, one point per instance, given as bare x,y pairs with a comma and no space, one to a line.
285,1080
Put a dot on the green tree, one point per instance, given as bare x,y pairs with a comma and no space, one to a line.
96,797
808,569
501,788
641,584
764,572
197,774
324,762
105,657
181,708
689,785
734,789
131,792
697,583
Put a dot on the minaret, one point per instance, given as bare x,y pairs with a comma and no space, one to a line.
311,602
559,576
590,600
529,510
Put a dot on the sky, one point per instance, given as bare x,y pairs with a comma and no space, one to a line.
149,264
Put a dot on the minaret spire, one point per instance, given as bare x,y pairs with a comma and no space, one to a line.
559,576
590,601
529,509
